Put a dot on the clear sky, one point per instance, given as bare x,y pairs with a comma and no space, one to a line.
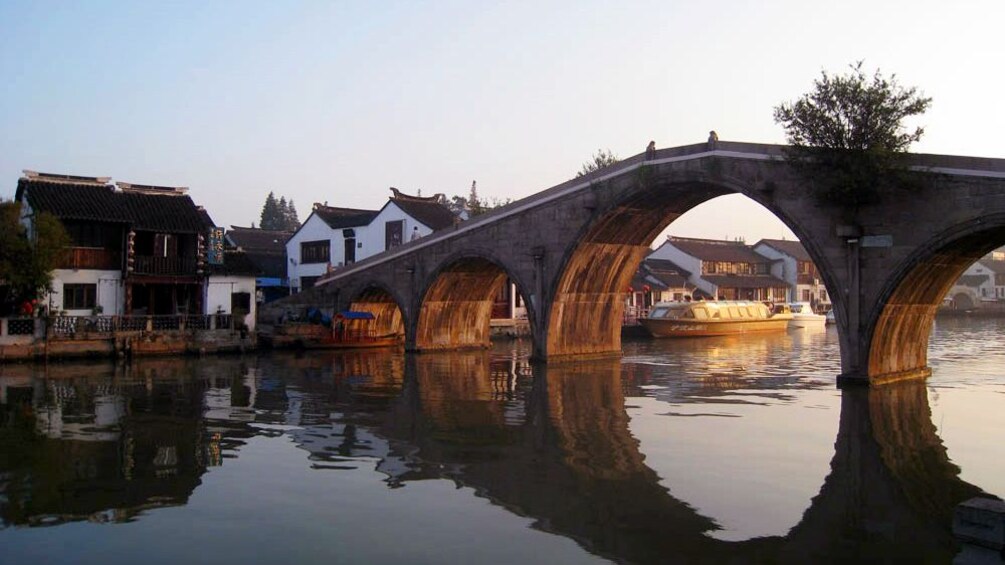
337,101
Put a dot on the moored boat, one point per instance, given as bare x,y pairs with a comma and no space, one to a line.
803,316
711,318
347,330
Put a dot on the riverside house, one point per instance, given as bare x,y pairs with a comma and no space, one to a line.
725,270
333,237
136,277
792,264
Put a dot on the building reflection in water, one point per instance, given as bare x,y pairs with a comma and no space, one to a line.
108,442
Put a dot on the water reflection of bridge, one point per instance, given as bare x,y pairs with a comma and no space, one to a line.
556,448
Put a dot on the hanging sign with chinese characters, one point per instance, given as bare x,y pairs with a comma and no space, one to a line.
214,254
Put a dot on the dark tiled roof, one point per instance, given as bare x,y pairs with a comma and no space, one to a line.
254,239
270,264
432,214
235,263
73,201
667,272
206,219
641,279
741,281
338,218
789,247
168,213
973,280
997,267
717,250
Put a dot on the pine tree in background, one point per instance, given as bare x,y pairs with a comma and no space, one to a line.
271,217
474,204
279,214
292,221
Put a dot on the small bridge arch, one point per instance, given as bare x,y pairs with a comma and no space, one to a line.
456,300
379,299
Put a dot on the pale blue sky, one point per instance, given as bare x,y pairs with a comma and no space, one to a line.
337,101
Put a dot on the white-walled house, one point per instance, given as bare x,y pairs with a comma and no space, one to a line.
333,237
230,289
727,270
329,237
976,286
791,263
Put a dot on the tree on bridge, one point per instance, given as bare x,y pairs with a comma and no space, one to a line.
602,158
848,134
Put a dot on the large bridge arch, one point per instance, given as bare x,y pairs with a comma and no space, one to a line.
587,304
899,332
454,305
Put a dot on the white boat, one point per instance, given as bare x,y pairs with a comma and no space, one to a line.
830,317
803,316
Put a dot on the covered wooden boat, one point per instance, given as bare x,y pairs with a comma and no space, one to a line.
711,318
346,330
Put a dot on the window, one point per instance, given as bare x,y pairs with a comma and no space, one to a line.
349,246
79,296
240,301
314,252
308,282
89,234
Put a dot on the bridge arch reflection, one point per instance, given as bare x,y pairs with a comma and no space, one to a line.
552,443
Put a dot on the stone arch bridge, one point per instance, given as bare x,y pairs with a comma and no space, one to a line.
573,248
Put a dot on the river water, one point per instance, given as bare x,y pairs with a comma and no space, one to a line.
733,449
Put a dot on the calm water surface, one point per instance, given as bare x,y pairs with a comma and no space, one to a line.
703,450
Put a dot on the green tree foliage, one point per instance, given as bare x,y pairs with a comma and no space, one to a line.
848,133
602,158
278,215
472,205
27,260
270,217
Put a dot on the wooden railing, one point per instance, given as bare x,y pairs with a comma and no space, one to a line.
150,265
91,258
633,314
71,326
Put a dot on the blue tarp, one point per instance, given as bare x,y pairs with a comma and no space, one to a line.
270,281
316,316
350,315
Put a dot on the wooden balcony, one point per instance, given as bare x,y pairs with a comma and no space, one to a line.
91,258
147,265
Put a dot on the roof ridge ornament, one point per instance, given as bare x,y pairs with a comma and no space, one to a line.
151,189
64,179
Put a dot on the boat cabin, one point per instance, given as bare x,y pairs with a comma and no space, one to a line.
721,310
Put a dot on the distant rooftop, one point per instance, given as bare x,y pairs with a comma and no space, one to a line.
716,249
790,247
